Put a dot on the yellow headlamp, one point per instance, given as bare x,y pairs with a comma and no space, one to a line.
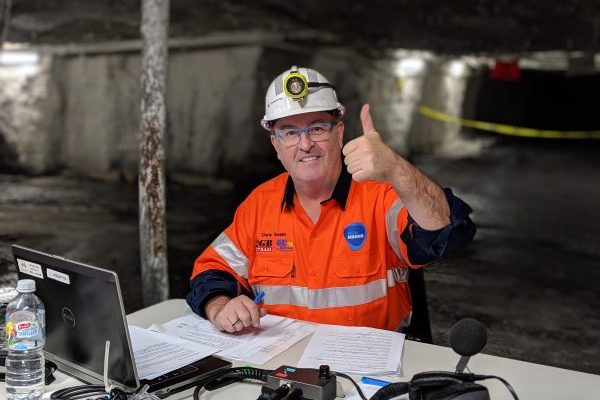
295,85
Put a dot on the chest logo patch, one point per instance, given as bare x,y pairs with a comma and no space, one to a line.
355,235
284,245
264,245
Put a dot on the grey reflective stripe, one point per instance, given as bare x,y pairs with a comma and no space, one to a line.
398,274
231,254
391,227
324,298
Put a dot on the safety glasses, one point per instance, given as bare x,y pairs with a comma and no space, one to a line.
317,132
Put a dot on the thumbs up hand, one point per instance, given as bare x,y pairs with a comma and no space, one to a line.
367,157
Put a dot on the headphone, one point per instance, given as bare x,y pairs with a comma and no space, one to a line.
440,385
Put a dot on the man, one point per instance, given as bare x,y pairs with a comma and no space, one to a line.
332,239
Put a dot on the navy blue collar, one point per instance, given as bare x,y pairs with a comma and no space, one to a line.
340,191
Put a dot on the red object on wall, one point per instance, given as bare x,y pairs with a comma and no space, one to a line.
506,71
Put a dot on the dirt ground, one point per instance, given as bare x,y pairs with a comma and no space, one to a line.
531,275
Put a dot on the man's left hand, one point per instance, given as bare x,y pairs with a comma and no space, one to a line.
367,157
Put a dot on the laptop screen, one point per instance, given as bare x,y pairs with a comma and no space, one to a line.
84,309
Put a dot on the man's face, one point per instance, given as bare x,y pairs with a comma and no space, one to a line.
310,162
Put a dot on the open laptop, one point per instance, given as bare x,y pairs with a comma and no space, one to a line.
84,309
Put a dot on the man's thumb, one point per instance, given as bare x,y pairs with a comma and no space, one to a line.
367,122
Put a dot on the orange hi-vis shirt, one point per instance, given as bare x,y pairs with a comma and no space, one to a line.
350,268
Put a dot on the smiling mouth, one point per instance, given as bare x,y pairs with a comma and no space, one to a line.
306,159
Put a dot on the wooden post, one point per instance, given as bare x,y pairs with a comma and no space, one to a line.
153,233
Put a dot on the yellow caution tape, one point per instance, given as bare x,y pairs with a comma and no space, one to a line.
507,129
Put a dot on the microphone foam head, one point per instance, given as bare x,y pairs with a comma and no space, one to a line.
468,336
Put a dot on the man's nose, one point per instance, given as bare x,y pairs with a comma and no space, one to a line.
305,143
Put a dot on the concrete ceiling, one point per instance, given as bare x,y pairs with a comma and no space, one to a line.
457,26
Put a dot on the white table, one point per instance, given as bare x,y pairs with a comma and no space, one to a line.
530,381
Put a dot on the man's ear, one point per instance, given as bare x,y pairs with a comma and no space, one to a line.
339,127
273,139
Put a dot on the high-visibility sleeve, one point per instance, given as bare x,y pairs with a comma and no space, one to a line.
222,268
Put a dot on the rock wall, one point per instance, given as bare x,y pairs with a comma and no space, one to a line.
209,102
29,115
81,112
448,86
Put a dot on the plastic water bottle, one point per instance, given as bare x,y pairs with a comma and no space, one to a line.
25,338
6,295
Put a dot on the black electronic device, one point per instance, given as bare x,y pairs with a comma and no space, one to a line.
439,385
300,383
468,337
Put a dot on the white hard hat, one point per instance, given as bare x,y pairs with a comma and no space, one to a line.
299,91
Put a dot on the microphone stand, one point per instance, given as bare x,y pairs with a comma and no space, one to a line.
462,364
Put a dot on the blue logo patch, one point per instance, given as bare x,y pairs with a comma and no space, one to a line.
355,235
284,245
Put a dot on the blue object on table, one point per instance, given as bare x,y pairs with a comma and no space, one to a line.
259,297
373,381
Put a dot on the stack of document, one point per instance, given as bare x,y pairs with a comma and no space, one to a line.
156,353
275,335
354,350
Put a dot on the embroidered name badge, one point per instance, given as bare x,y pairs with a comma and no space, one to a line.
355,235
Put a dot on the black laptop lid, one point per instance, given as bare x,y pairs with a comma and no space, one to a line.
84,309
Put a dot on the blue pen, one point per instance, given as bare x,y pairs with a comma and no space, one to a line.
259,297
373,381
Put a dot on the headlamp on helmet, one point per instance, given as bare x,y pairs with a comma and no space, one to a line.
295,85
298,91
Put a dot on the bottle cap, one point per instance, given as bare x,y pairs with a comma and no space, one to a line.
26,286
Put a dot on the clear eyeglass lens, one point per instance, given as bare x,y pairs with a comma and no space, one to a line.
316,132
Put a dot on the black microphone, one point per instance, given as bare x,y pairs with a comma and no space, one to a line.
467,337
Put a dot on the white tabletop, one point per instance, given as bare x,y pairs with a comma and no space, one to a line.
530,381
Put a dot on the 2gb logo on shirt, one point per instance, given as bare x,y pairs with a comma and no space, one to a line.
355,235
264,245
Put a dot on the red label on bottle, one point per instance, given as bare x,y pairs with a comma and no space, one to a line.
23,325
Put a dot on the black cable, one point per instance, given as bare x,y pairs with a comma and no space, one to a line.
508,386
197,390
80,392
238,373
277,394
296,394
390,391
360,392
118,394
88,391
